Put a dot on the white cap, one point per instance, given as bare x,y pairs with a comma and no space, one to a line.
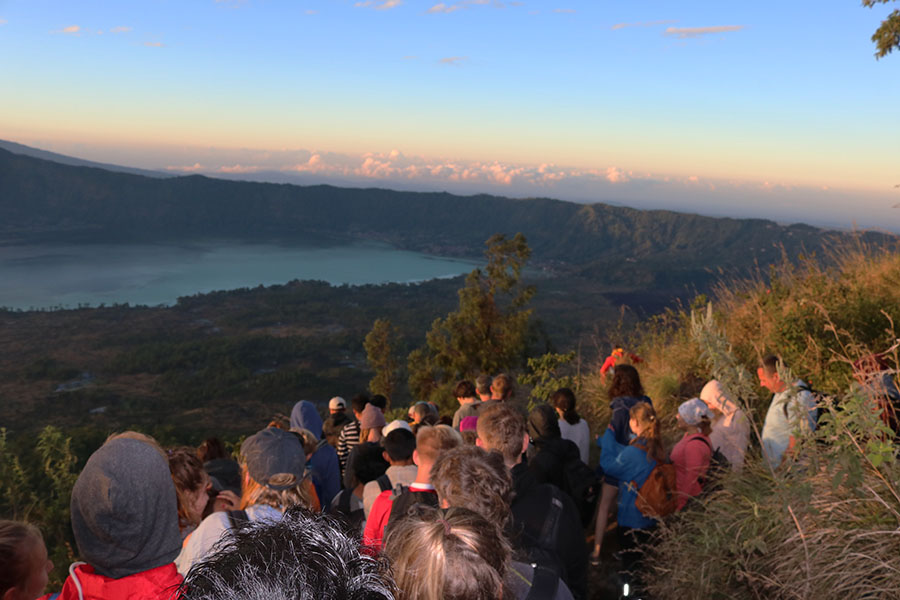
336,403
394,425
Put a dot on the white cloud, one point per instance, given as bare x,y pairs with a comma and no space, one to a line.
120,30
643,24
70,30
379,4
693,32
154,44
453,60
3,21
565,11
445,8
312,12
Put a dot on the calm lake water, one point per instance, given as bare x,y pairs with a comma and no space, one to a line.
153,274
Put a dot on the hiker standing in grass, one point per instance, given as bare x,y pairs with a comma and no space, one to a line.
692,454
730,427
631,465
793,410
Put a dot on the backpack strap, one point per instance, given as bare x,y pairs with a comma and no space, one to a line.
551,523
544,584
237,519
703,439
384,482
343,505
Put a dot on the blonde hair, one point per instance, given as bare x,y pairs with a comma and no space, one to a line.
14,555
452,555
303,493
644,414
432,440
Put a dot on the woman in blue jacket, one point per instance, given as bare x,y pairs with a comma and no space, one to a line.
631,464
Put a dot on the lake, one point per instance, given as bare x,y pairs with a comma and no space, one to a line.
67,275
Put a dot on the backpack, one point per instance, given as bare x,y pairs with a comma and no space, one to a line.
540,546
402,500
583,484
719,465
818,398
658,497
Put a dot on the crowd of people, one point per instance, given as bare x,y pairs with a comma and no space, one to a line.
485,503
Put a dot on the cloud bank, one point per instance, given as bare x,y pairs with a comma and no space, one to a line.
693,32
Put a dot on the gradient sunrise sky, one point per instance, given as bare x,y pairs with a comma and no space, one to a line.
761,108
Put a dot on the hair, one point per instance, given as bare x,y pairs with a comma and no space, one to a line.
465,389
399,444
469,437
364,433
14,557
470,477
211,449
626,382
432,440
502,428
379,401
303,556
503,385
426,413
256,493
644,414
358,402
705,426
770,363
308,439
564,399
188,476
483,384
455,554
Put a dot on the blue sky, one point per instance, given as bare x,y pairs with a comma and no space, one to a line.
763,108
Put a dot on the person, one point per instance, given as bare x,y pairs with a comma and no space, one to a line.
399,446
371,422
548,453
571,426
536,507
472,478
349,436
468,429
392,505
337,418
24,559
448,555
273,466
224,472
792,411
693,452
347,505
125,521
875,381
730,427
302,556
422,413
468,402
501,391
625,391
379,401
631,464
483,387
192,485
321,457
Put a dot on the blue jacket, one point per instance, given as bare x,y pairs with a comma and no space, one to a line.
627,464
326,473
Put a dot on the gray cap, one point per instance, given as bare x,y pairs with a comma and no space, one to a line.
272,452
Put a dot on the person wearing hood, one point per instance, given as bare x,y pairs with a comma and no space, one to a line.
548,453
125,521
323,462
730,427
273,467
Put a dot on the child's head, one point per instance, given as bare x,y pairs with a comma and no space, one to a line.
24,559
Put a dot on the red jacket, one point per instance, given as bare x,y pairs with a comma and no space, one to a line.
160,583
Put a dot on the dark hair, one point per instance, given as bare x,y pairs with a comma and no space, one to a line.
399,444
188,476
464,389
470,477
14,553
502,385
378,401
369,463
211,449
770,363
303,556
358,402
625,383
564,399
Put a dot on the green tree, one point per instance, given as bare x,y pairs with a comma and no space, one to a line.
546,375
887,36
381,353
488,333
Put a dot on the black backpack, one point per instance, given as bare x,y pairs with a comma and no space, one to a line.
719,465
402,500
584,486
540,545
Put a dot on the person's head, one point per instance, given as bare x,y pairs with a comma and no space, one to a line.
273,464
370,463
694,414
308,439
501,387
543,424
431,442
645,424
303,556
211,449
483,386
501,428
768,374
464,392
455,554
305,416
399,446
423,413
716,399
358,403
379,401
24,559
468,429
191,483
371,422
337,405
470,477
124,508
625,383
563,400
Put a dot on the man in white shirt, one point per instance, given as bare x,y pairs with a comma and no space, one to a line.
792,412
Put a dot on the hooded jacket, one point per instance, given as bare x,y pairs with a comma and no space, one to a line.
324,464
549,452
305,416
160,583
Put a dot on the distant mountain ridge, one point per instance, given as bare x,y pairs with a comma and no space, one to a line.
17,148
44,200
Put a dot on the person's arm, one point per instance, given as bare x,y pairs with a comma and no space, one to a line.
611,453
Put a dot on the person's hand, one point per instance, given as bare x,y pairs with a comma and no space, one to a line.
226,500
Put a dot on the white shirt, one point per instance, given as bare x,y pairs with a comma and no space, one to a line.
578,433
781,422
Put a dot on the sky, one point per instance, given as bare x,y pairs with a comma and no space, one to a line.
766,108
